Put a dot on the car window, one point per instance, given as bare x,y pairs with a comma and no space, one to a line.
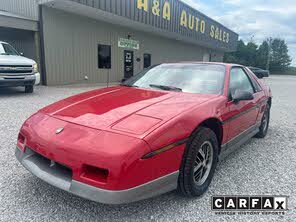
6,49
255,83
239,81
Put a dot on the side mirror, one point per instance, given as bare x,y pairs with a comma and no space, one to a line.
21,53
240,95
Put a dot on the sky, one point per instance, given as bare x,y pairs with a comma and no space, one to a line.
254,19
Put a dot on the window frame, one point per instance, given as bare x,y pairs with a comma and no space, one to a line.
110,56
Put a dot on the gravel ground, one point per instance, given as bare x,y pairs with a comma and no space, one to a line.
262,167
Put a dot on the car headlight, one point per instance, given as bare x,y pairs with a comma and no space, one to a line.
35,68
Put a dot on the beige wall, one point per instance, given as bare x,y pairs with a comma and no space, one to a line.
71,48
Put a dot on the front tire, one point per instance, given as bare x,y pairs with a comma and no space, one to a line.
199,163
263,129
29,89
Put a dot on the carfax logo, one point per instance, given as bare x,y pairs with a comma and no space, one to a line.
249,203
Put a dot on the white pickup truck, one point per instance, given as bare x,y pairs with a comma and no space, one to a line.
16,70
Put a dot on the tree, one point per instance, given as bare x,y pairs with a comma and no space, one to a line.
251,55
244,54
279,57
262,55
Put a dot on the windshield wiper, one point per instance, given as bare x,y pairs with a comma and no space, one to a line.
168,88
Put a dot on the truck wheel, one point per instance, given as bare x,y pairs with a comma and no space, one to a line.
29,89
199,163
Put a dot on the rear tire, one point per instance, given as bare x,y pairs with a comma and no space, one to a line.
197,170
263,129
29,89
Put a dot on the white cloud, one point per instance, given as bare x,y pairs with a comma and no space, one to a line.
254,19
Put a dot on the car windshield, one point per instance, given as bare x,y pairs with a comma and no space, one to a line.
191,78
6,49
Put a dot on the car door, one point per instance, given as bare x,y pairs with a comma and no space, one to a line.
242,115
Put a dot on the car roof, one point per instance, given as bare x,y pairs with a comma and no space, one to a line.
200,62
3,42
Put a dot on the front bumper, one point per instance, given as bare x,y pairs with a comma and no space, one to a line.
61,177
12,81
38,78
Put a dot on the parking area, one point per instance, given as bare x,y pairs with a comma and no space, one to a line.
261,167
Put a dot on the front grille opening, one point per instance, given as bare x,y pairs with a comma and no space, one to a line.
25,71
94,173
27,66
16,69
54,168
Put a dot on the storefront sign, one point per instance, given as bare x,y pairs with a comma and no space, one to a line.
171,18
187,18
129,44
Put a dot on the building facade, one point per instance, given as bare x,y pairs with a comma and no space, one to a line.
98,41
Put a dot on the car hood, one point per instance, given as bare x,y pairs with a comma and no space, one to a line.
127,109
15,60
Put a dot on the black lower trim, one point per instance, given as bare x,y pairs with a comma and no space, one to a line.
166,148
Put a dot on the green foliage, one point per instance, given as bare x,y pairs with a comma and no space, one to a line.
251,55
291,71
262,55
280,60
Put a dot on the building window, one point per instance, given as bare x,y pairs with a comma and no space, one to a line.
104,56
147,60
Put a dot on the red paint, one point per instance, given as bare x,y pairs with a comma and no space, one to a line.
108,131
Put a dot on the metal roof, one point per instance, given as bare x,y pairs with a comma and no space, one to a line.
11,20
183,22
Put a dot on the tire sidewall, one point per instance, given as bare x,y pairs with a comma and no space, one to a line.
262,131
202,135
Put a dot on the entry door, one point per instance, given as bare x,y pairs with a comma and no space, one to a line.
147,60
128,64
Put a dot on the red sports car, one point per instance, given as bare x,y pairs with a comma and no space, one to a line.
163,129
